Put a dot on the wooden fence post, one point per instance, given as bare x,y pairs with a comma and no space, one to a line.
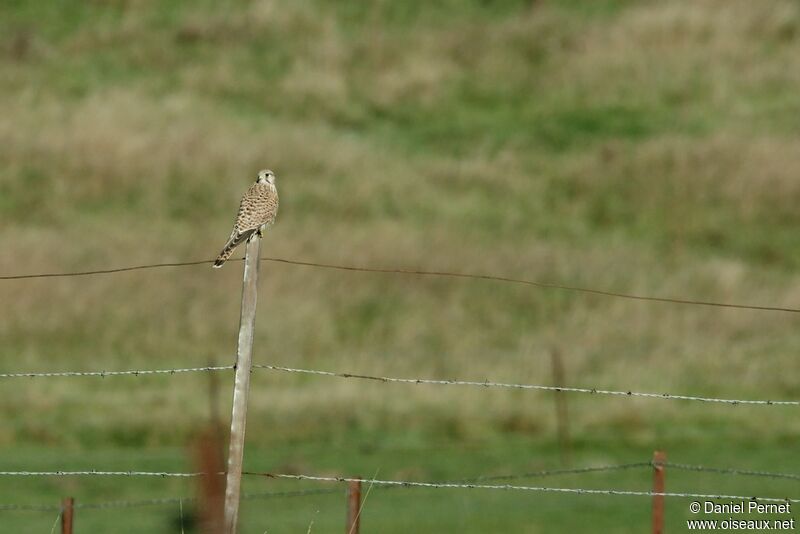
67,514
562,414
241,387
353,506
659,458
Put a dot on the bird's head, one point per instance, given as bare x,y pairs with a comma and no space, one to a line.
266,177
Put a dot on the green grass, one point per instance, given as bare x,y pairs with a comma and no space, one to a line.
399,457
640,147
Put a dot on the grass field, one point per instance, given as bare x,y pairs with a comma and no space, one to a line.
397,510
634,146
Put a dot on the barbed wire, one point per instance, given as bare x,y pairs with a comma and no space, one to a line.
451,485
730,471
530,474
196,474
29,508
133,504
296,493
555,472
488,384
103,374
386,379
464,483
421,272
175,500
537,474
93,472
161,501
303,493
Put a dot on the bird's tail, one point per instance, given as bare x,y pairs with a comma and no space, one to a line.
230,246
224,255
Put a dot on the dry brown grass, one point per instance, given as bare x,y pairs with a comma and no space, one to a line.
128,174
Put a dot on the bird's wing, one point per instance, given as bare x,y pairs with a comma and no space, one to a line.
253,208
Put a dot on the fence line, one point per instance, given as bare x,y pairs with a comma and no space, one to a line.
420,272
103,374
158,502
556,472
107,271
530,474
465,483
488,384
582,491
175,500
173,474
93,472
386,379
29,508
303,493
730,471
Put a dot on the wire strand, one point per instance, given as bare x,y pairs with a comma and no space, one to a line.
544,285
93,472
450,485
730,471
167,501
539,474
103,374
555,472
465,483
422,272
29,508
176,500
159,502
531,474
108,271
386,379
172,474
488,384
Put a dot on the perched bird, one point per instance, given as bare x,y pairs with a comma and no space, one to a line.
257,211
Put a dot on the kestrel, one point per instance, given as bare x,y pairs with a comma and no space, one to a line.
257,211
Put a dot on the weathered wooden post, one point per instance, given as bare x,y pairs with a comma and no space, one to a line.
659,458
241,387
562,414
353,506
67,514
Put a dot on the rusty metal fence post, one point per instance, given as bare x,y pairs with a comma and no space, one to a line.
353,506
241,387
659,458
67,514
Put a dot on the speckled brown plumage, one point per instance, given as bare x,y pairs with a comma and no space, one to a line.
257,210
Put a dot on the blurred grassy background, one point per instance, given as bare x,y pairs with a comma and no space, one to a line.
636,146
